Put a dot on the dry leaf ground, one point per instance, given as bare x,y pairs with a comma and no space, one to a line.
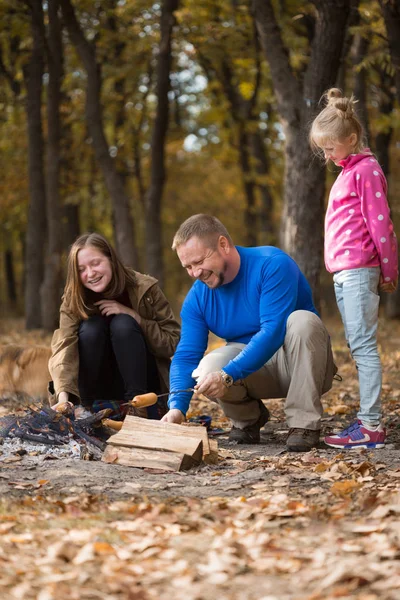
261,525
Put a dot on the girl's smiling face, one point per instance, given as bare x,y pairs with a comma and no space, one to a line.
340,149
94,269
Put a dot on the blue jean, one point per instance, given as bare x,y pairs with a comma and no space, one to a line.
358,301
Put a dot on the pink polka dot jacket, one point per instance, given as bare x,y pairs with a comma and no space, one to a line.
358,229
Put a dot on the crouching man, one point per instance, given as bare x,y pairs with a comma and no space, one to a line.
258,300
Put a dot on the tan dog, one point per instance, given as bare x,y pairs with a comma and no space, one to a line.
24,370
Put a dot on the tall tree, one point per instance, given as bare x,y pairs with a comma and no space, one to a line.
123,221
50,290
36,227
10,276
297,96
160,127
358,52
10,74
246,138
391,15
228,51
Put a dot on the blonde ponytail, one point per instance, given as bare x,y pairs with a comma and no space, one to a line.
337,121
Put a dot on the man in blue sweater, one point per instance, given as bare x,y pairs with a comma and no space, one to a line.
258,300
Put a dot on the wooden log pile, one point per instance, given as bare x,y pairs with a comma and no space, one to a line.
167,446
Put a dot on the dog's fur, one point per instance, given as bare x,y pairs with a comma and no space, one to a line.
24,371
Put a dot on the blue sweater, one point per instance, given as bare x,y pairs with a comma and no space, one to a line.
252,309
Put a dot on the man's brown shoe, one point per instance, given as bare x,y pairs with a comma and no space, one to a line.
251,433
302,440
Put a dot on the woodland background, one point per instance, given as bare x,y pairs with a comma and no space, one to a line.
126,117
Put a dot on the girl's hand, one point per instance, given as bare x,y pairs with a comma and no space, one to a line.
112,307
387,286
63,405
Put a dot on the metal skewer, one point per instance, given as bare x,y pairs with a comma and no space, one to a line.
151,398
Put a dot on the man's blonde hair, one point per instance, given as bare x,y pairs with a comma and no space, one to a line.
204,227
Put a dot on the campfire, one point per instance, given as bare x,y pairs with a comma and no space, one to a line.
44,431
139,442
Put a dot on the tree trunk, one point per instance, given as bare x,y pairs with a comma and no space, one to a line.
297,103
122,217
71,229
50,291
250,217
301,233
36,227
248,144
154,246
383,139
352,22
10,277
386,106
391,14
267,232
359,51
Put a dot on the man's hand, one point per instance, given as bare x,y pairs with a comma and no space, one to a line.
387,286
173,416
211,385
112,307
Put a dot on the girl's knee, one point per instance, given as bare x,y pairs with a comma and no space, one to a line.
124,326
93,329
367,349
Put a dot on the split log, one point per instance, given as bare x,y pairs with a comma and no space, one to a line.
212,458
153,459
154,435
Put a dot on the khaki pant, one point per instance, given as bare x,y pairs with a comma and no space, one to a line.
300,371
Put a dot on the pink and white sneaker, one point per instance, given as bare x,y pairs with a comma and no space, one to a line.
358,436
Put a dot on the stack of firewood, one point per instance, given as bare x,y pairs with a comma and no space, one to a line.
158,445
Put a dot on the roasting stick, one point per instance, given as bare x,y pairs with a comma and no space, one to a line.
143,401
151,398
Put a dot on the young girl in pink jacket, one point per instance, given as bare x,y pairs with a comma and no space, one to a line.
361,252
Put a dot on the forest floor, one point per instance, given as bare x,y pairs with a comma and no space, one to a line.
262,524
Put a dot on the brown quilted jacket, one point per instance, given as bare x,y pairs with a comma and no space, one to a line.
158,323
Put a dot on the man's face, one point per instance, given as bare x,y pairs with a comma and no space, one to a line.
209,265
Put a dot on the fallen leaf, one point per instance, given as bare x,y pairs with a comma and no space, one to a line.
344,488
393,474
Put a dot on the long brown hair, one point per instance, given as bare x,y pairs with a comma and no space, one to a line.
75,293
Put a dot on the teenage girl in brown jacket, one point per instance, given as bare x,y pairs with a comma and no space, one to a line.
117,331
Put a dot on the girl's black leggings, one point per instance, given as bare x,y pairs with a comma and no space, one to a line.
114,361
